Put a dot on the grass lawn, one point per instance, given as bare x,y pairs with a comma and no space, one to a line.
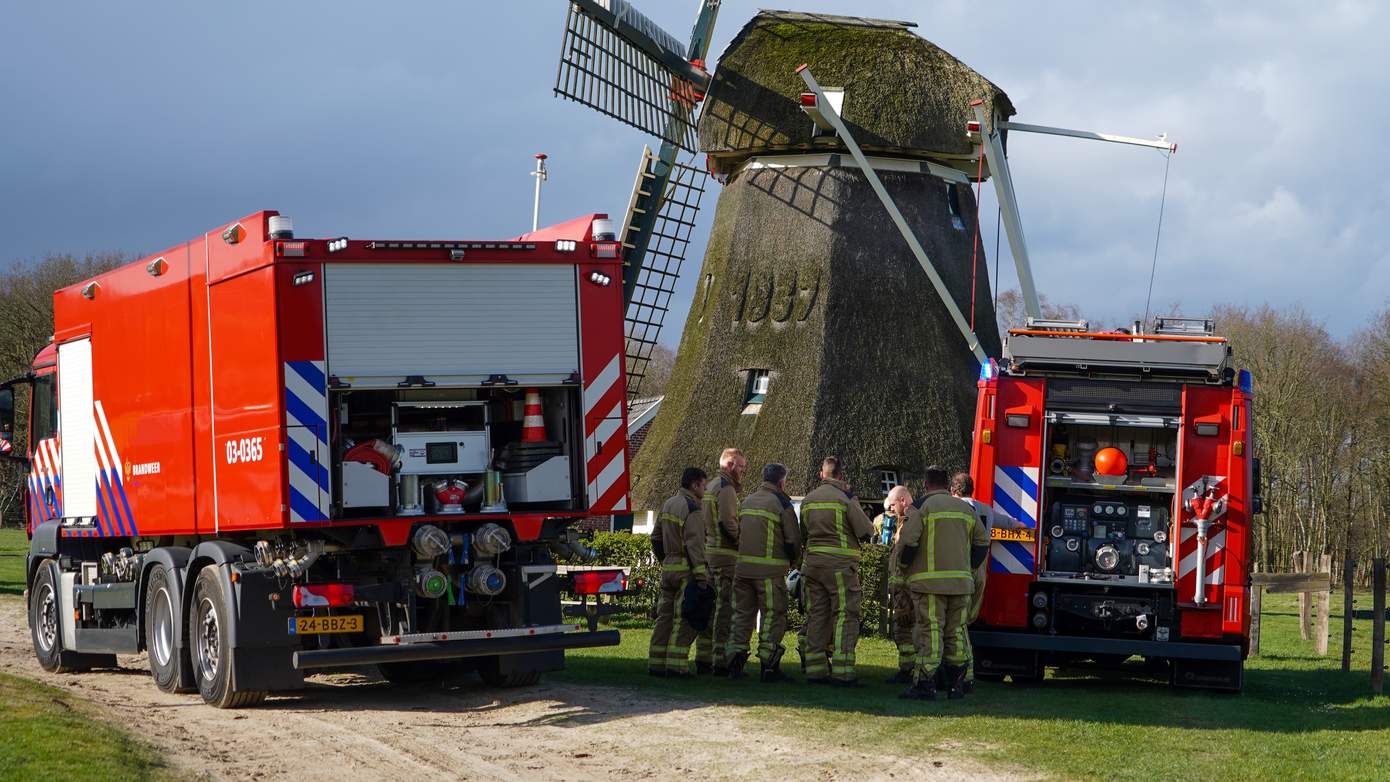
1299,717
46,733
13,546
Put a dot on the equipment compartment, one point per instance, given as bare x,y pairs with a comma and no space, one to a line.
483,449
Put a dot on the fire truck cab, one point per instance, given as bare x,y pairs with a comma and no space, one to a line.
1128,459
255,455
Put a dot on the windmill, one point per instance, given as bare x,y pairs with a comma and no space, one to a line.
617,61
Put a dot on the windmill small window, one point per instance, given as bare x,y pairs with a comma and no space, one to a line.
759,381
887,479
953,204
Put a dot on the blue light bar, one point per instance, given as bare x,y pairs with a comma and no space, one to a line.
988,370
1246,381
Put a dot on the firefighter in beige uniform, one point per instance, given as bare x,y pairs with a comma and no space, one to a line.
769,545
963,487
679,545
721,552
941,546
835,526
899,502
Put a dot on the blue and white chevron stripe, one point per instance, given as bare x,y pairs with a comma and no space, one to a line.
1015,493
306,440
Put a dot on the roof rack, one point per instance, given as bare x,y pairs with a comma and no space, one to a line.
1048,324
1204,327
1204,357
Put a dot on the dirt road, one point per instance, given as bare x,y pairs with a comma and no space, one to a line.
355,726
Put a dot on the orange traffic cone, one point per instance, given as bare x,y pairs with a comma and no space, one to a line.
533,425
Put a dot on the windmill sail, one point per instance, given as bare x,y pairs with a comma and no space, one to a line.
618,62
668,242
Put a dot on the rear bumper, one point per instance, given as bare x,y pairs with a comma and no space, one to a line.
450,650
1180,650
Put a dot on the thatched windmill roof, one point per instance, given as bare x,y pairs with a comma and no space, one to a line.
904,95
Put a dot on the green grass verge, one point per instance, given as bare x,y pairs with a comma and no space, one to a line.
14,544
47,734
1299,717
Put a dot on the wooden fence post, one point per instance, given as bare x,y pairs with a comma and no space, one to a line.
1301,560
1324,607
1256,599
1348,583
1377,625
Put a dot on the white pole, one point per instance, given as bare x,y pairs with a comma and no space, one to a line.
540,175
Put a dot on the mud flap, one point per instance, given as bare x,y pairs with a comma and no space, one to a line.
1223,675
263,658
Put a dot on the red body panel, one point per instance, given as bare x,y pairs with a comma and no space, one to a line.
191,376
1011,570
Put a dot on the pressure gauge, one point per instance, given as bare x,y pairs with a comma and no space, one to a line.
1098,509
1123,510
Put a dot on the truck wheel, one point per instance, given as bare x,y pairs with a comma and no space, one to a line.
169,664
489,670
46,629
210,644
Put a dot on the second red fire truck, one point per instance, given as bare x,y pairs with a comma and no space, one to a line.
255,455
1128,457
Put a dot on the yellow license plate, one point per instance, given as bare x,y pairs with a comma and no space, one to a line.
317,625
1019,535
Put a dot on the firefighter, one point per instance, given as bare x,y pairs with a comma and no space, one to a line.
899,504
679,545
941,545
963,487
721,552
835,527
769,545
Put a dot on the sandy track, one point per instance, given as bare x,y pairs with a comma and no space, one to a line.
355,726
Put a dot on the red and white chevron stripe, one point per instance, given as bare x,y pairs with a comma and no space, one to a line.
605,444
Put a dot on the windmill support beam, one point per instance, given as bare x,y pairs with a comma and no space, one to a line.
830,114
1008,205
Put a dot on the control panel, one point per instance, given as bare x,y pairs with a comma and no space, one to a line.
1113,536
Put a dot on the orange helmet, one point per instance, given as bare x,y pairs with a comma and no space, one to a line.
1111,461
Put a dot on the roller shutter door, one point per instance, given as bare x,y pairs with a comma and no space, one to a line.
452,324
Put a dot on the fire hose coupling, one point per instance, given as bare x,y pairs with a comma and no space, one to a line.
485,580
287,561
429,542
429,582
491,540
1141,622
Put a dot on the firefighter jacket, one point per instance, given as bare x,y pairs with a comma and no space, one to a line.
682,535
943,531
721,521
834,525
895,568
769,538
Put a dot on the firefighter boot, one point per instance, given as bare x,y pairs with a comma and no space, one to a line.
900,677
736,663
772,669
955,681
922,690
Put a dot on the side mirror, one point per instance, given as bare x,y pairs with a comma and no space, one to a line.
1257,488
7,443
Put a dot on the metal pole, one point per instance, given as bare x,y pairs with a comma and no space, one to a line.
1008,204
828,111
540,174
1159,143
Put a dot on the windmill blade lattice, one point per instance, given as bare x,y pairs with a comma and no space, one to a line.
661,264
617,62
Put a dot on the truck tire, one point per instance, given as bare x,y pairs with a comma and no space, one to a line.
46,629
489,670
169,664
210,644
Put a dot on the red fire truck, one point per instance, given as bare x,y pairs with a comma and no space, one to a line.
253,455
1128,458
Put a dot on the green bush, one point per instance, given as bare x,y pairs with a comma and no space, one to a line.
625,549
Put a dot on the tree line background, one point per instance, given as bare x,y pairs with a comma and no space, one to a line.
1322,408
